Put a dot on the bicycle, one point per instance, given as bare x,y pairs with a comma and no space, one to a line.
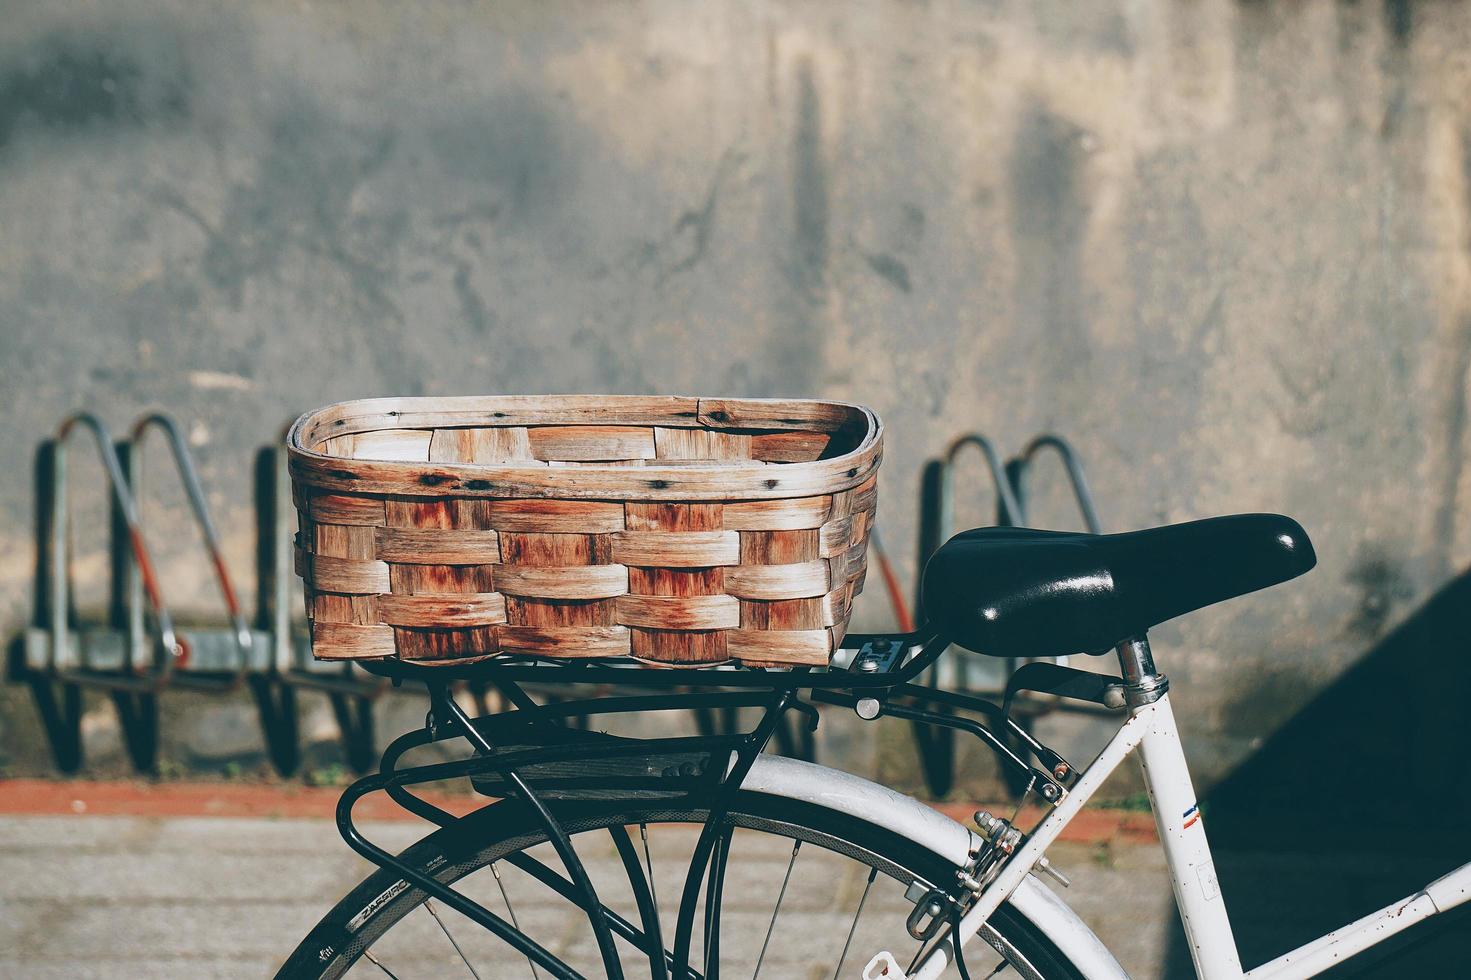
1006,592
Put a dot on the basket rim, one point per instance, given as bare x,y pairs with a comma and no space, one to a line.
376,477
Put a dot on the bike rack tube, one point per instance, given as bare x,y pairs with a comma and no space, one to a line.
199,506
169,648
1008,509
1019,468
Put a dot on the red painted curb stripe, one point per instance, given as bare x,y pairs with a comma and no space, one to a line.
44,797
39,797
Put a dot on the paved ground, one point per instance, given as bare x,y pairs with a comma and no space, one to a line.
211,880
112,896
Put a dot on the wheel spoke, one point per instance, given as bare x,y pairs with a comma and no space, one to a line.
918,956
638,881
429,905
872,874
376,962
512,911
797,846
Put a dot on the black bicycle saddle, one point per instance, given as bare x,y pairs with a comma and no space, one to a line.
1017,592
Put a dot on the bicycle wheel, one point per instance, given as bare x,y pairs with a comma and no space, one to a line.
807,892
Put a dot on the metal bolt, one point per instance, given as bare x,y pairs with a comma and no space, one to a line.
1060,771
987,824
867,708
1045,866
868,665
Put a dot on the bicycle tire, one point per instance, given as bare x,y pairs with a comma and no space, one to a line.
487,835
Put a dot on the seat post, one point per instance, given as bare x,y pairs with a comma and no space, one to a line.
1142,683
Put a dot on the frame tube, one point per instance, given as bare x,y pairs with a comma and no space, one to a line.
1187,852
1313,958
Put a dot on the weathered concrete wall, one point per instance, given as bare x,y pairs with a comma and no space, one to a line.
1226,247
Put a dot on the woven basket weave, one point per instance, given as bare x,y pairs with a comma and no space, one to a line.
674,530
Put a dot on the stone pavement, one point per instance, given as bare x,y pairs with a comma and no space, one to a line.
128,896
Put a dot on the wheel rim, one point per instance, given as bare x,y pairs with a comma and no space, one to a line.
793,899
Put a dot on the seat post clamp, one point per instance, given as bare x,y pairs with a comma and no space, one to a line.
1143,684
1147,691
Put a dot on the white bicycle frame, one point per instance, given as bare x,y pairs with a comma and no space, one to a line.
1151,730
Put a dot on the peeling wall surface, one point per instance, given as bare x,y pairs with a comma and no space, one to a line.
1224,247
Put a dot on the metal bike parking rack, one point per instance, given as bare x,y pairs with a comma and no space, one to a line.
135,651
959,669
128,660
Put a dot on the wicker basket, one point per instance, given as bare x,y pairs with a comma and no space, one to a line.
674,530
